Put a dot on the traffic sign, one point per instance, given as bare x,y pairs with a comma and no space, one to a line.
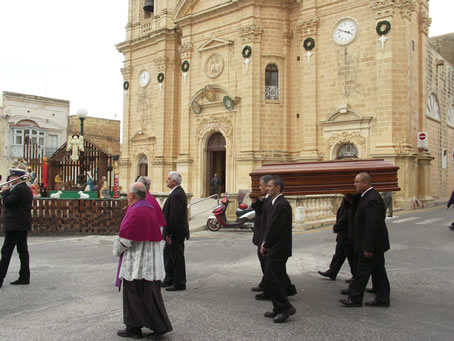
423,141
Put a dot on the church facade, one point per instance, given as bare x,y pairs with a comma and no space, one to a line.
224,86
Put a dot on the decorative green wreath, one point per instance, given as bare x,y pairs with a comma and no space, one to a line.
125,85
247,51
309,44
383,27
185,66
160,77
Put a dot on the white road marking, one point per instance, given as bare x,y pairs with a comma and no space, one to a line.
428,221
404,220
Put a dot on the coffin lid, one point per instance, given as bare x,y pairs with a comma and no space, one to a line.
328,177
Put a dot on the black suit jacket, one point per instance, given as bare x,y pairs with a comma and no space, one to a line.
371,233
18,204
176,213
262,212
279,237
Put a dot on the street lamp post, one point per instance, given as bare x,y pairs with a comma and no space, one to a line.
82,115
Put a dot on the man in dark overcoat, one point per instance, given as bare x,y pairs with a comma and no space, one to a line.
371,242
277,248
17,202
177,230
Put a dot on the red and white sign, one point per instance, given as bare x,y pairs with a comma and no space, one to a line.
423,141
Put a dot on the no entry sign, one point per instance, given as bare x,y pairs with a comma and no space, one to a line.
423,141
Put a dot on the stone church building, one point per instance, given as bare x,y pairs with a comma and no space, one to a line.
224,86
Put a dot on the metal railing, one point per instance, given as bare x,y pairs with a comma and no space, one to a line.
214,196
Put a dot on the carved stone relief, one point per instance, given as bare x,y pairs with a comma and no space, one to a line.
251,33
221,124
336,141
164,63
386,8
287,35
210,93
126,72
424,23
214,65
307,26
185,50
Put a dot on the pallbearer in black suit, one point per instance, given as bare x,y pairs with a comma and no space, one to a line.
259,226
177,230
371,242
277,249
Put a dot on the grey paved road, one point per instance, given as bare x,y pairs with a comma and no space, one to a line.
72,296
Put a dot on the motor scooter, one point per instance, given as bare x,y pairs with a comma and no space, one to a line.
245,216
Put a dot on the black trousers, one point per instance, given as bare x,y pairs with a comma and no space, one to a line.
12,239
343,251
174,264
262,266
276,282
366,267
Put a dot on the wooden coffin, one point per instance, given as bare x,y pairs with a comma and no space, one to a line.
328,177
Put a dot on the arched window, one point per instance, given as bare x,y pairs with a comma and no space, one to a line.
347,151
271,82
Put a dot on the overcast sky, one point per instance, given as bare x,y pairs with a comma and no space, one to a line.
66,50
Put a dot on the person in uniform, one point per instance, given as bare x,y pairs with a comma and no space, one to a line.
17,201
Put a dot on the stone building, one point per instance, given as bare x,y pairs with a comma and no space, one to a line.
224,86
104,133
40,120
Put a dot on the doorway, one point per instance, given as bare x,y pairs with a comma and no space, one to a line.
215,164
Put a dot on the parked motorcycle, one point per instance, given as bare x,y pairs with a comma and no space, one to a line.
245,216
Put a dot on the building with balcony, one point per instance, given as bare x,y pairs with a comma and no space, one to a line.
37,120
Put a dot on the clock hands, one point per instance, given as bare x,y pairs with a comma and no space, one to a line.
348,32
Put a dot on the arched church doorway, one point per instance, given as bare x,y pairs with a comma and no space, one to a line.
143,166
215,164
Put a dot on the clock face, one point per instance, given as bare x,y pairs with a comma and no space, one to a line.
432,108
144,78
345,31
451,116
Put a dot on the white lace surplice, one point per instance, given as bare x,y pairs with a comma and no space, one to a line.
142,260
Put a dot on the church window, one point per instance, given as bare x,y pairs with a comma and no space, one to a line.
271,82
347,151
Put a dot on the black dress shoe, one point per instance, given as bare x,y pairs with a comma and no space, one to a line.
135,333
20,282
257,289
370,290
375,303
154,336
174,288
270,314
282,317
166,284
345,292
262,297
349,303
327,274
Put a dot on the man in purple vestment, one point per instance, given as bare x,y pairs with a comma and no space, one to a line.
142,267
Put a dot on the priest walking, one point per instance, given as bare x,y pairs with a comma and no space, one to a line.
141,267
